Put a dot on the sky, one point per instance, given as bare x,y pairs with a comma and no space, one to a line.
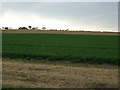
87,16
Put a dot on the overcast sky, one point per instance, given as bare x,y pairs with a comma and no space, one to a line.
99,16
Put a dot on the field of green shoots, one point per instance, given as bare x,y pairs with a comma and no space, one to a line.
96,49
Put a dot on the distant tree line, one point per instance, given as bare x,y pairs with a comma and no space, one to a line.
30,27
6,28
22,28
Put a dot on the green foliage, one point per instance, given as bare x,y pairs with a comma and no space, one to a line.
74,48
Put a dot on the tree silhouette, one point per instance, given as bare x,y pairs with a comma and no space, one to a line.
22,28
35,28
6,28
43,28
29,27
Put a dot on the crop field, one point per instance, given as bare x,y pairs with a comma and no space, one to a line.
95,49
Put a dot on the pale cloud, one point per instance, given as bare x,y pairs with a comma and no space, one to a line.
15,20
74,16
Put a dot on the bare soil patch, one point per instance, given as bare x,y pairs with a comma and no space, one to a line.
61,32
40,75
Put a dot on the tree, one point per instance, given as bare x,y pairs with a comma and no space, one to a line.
43,28
67,30
29,27
3,28
22,28
6,28
35,28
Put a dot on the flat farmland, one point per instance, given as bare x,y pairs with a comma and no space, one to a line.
95,49
61,32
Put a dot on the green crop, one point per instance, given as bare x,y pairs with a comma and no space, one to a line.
74,48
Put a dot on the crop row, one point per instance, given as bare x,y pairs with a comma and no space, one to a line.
73,48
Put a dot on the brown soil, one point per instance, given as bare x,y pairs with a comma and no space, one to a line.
39,75
61,32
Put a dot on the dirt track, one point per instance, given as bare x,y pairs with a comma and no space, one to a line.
61,32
